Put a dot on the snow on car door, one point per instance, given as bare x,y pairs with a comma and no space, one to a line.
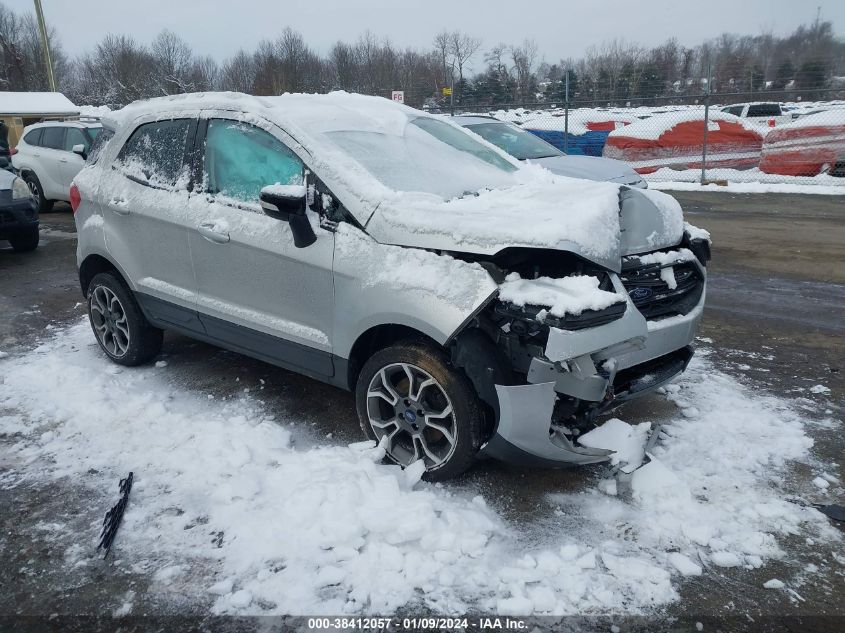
256,290
145,201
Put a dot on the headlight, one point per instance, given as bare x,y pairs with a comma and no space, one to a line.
20,190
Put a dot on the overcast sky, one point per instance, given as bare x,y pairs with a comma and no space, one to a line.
561,29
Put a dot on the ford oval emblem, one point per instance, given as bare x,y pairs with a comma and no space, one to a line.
638,294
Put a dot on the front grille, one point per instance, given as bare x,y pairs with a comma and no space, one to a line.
653,296
525,317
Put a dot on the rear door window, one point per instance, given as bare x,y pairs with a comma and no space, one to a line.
33,137
53,137
155,154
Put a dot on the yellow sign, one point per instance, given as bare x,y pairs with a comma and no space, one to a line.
447,92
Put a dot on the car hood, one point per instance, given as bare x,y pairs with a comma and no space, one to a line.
599,221
590,168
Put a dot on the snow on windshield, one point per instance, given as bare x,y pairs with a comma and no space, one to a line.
428,156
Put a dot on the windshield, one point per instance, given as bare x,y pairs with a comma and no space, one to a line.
430,156
515,141
94,131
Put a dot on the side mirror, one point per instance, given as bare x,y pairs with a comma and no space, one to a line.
287,203
79,148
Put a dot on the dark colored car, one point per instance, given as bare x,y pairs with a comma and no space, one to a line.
18,213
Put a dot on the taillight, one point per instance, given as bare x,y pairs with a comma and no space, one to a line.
771,122
75,198
13,151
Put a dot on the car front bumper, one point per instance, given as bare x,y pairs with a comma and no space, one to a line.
16,216
606,365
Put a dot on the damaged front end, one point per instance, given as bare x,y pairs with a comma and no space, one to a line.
547,377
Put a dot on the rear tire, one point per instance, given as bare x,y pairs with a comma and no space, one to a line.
37,190
410,394
25,240
121,329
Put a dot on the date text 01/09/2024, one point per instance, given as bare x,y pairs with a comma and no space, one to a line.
417,623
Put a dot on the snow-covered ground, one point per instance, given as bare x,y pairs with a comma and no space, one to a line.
743,181
303,527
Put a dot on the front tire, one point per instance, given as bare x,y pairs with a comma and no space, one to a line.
121,329
37,190
25,240
410,396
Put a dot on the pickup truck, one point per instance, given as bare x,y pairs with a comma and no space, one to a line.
763,113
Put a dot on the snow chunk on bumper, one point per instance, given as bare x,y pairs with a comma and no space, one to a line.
568,295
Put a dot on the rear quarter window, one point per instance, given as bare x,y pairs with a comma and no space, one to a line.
98,145
764,109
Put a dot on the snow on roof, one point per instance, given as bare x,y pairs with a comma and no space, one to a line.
652,128
578,120
318,113
36,103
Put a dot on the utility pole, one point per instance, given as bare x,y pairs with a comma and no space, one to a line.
706,125
566,113
51,80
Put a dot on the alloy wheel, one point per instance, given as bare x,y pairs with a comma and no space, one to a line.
410,410
109,319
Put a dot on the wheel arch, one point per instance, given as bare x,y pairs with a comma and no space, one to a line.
93,265
377,338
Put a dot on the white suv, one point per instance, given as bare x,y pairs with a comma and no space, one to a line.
50,154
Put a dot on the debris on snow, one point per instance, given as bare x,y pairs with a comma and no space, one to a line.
821,482
774,583
819,389
626,440
684,565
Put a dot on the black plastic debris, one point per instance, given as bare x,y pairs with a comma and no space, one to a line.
114,516
835,512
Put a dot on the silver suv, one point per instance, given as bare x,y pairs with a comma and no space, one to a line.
473,303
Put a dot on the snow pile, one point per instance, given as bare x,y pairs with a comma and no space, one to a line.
716,501
567,295
227,507
743,181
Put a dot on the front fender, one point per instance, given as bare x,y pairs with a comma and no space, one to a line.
378,284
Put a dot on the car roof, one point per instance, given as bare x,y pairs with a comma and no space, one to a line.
309,114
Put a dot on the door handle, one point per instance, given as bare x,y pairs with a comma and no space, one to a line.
63,160
119,206
212,233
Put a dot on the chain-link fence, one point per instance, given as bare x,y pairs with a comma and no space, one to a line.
762,139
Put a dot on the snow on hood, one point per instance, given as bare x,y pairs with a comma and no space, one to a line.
542,211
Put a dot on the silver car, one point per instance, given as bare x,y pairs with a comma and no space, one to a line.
476,305
523,145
